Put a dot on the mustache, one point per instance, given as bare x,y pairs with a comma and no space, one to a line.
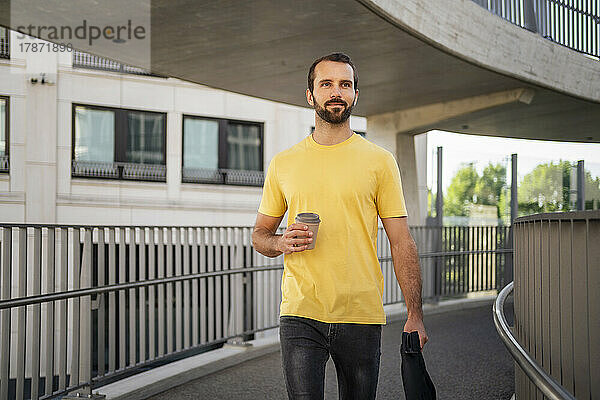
336,102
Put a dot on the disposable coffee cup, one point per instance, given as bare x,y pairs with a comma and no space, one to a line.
313,221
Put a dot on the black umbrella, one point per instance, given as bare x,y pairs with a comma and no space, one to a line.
416,380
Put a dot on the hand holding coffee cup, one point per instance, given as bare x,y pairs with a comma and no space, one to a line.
312,220
301,235
297,237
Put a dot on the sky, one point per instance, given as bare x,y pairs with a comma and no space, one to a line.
460,148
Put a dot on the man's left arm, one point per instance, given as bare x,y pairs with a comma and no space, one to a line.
408,272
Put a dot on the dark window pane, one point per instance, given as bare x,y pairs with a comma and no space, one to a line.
243,147
94,134
200,143
3,118
4,43
145,138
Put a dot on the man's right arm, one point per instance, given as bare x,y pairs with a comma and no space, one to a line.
266,242
264,239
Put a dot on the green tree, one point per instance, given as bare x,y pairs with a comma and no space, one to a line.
468,187
592,192
504,206
545,189
489,186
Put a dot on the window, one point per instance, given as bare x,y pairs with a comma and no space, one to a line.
4,163
222,151
94,135
145,138
118,143
4,43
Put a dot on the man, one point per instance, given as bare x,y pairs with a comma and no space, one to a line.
332,295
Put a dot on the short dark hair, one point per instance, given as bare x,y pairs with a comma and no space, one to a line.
339,57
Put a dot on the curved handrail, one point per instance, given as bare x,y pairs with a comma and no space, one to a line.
551,389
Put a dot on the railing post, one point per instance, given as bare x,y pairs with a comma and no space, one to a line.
21,292
81,318
439,218
248,284
35,283
530,21
62,308
248,306
243,306
5,281
542,17
238,280
85,355
514,213
580,186
100,304
50,288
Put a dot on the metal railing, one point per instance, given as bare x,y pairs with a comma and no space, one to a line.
571,23
4,163
4,43
157,172
85,60
556,299
223,176
119,170
81,306
551,389
460,259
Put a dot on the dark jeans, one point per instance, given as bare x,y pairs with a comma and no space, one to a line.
306,345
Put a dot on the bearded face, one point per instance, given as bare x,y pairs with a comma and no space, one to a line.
333,94
334,111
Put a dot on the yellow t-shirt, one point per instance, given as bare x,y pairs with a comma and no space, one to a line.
348,184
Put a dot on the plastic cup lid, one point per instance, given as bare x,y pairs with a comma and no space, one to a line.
308,217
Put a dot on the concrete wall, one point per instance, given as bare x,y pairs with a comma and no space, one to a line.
411,154
466,30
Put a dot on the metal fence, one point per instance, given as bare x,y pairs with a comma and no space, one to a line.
81,306
158,172
557,301
461,259
223,176
535,373
4,163
82,59
572,23
119,170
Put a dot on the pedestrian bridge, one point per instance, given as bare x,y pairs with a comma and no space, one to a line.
464,356
83,306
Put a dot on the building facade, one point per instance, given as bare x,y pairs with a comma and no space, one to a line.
89,141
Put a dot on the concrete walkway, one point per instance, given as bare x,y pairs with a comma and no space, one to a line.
465,358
